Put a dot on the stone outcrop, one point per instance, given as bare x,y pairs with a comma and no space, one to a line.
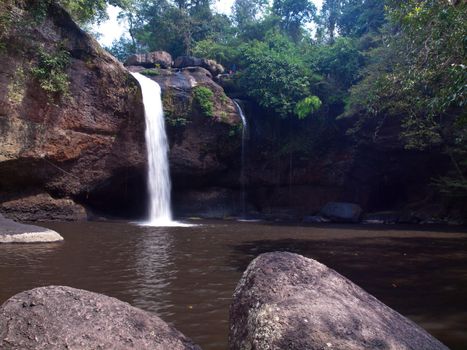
189,61
286,301
14,232
42,207
58,317
160,59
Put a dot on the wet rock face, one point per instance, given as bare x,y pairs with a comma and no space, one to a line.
65,144
203,148
287,301
66,318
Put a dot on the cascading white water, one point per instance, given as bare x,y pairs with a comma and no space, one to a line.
242,170
159,186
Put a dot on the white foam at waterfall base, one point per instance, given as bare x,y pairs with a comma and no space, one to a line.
159,186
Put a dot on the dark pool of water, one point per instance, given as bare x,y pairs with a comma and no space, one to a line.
187,275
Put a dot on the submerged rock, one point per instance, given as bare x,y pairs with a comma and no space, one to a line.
14,232
59,317
286,301
343,212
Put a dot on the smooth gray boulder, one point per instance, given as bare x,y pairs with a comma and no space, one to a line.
14,232
57,317
287,301
342,212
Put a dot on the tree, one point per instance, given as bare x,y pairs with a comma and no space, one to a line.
330,13
419,75
86,11
275,75
293,14
246,12
359,17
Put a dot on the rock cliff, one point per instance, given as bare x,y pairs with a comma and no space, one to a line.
72,122
71,116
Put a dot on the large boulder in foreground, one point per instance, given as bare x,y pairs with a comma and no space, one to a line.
14,232
342,212
58,317
287,301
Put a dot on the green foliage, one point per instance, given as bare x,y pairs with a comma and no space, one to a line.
225,54
307,106
16,89
204,97
176,121
293,14
340,61
235,130
86,11
419,73
5,17
274,74
122,48
360,17
50,72
151,72
174,27
247,12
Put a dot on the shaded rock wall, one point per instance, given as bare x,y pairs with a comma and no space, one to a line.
373,170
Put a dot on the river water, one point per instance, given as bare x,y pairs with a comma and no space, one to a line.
187,275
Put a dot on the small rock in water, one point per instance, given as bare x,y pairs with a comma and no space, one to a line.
342,212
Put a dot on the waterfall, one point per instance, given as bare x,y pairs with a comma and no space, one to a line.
159,186
242,170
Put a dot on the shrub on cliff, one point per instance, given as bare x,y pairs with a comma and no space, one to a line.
204,98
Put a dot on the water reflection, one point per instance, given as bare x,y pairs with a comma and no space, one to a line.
154,270
187,275
31,253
